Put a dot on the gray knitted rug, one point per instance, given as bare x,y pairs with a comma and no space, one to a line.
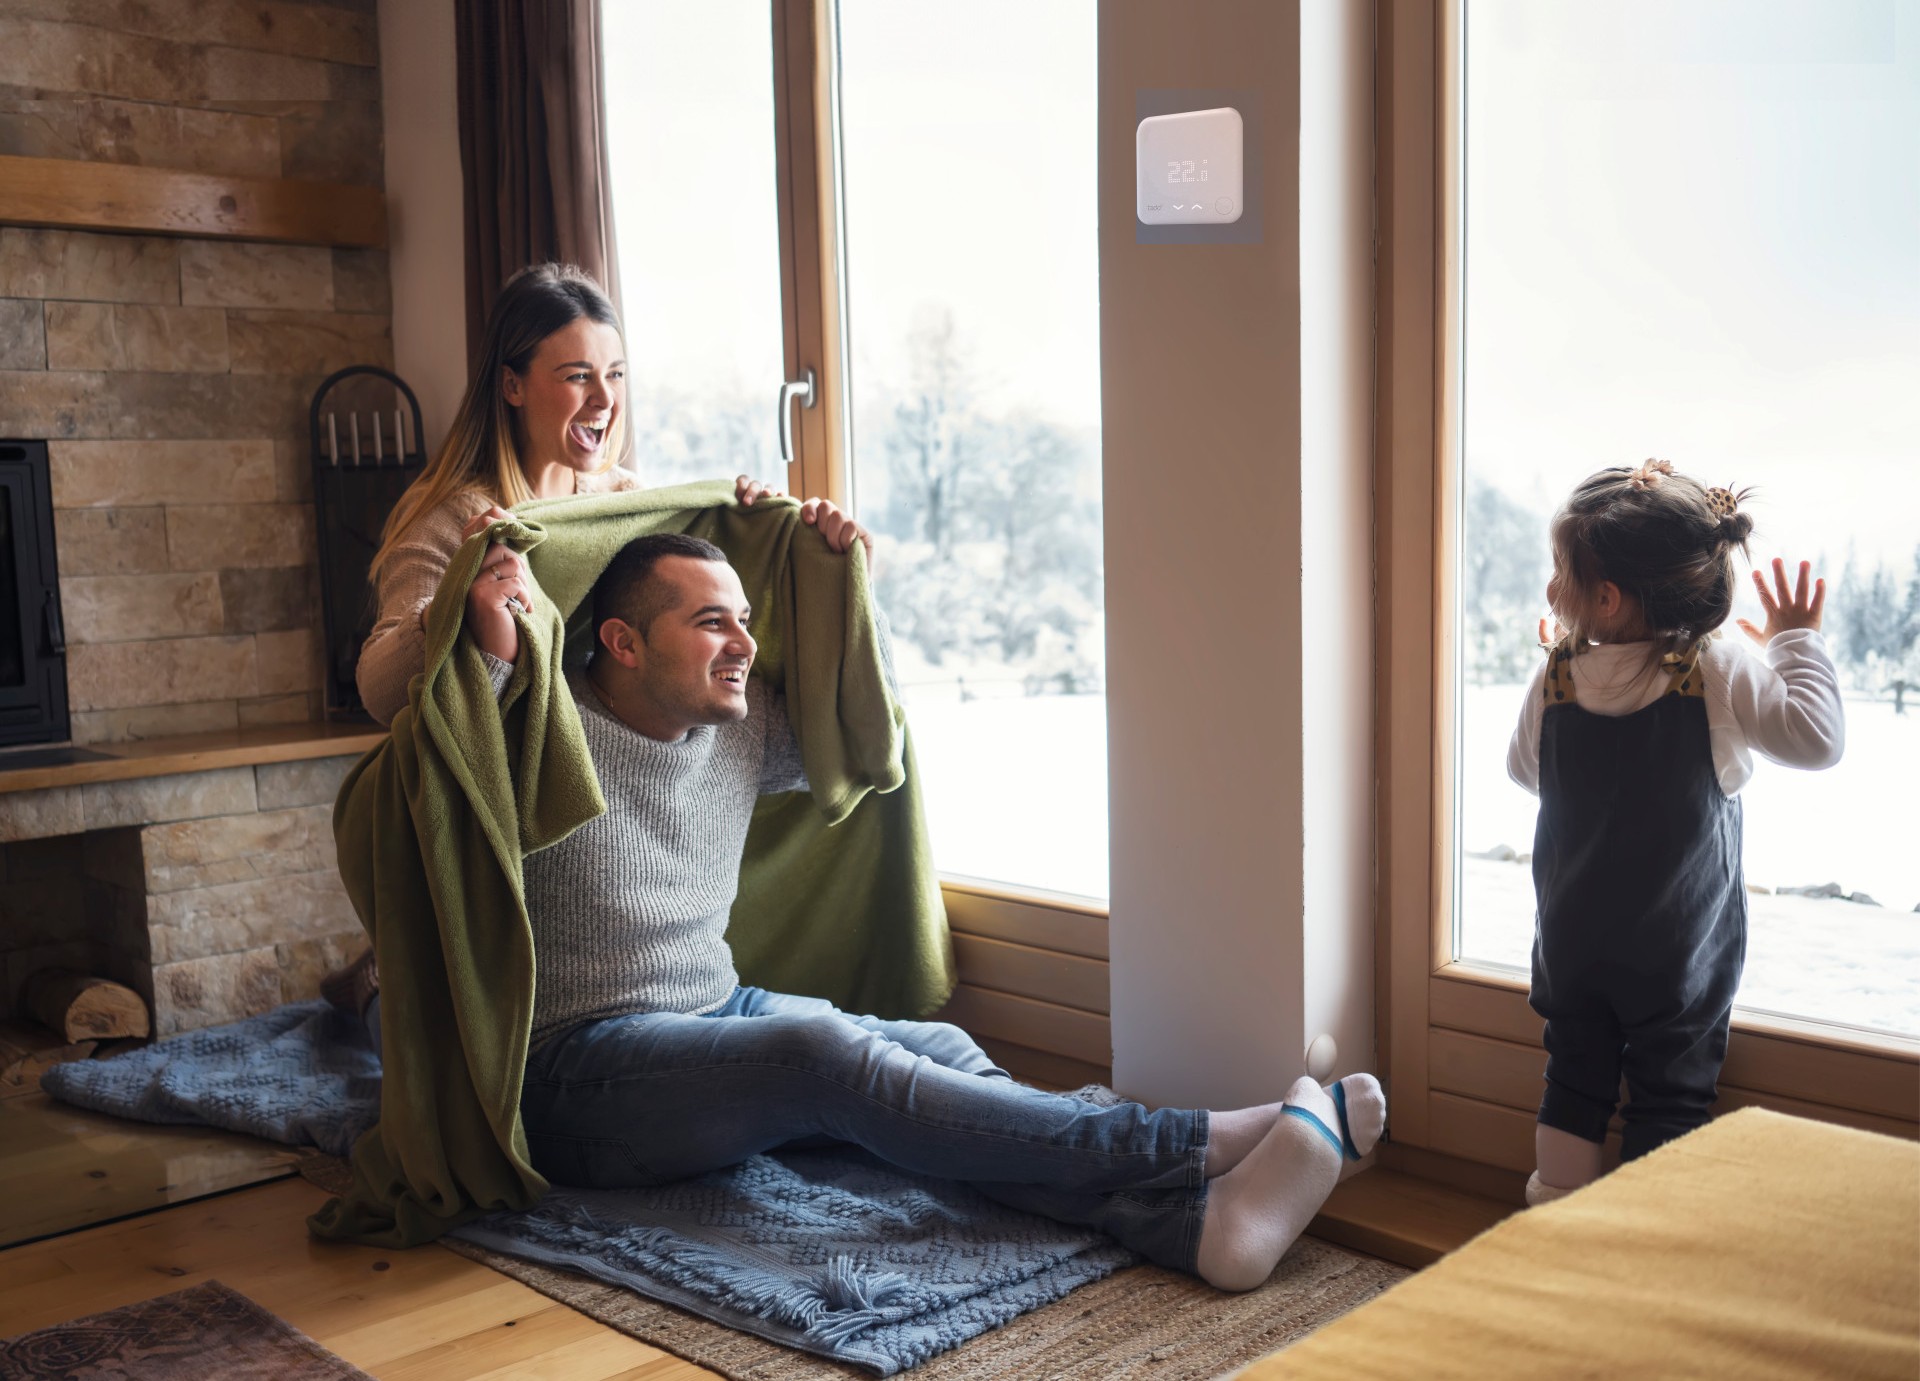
304,1074
831,1252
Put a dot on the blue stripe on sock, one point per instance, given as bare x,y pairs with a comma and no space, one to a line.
1347,1148
1318,1125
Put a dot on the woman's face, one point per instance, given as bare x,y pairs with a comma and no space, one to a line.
566,402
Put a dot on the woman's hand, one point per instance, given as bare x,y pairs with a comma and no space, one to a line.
1786,611
837,526
480,522
746,489
502,586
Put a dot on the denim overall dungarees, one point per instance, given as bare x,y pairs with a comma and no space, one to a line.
1641,928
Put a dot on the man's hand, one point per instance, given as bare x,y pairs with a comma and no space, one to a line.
837,527
746,489
502,586
1786,611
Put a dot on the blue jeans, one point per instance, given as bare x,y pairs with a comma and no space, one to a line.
640,1100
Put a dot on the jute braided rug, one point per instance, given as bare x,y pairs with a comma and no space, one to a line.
1140,1324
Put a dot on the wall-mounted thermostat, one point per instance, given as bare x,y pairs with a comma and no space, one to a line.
1188,168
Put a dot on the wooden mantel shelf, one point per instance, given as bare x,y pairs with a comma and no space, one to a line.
68,194
161,757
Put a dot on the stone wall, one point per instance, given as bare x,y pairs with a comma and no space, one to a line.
214,895
171,377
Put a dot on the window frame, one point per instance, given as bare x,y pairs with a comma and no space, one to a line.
1460,1045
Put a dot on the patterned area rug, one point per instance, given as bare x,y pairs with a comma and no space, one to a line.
190,1335
1140,1324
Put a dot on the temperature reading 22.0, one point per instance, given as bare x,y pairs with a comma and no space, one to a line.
1182,170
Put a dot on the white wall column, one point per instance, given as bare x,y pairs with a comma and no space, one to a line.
1240,795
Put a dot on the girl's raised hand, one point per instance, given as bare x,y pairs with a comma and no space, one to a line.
1786,609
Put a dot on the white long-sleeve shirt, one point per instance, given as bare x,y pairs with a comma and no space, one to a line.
1785,707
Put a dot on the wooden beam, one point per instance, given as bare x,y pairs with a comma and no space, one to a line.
71,195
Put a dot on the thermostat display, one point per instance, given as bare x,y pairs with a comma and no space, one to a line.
1188,168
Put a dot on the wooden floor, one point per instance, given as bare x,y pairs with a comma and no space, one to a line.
420,1315
62,1167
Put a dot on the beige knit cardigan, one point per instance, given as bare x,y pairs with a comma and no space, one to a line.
396,651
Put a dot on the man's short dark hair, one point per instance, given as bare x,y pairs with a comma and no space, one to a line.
629,590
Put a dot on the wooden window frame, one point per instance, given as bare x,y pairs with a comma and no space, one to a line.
1460,1046
1032,964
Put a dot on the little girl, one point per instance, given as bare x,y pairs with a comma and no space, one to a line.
1636,736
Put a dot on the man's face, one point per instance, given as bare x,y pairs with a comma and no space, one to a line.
692,667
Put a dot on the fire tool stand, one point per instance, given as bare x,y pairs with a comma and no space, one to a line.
363,460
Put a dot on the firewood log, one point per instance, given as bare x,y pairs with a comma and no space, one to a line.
79,1006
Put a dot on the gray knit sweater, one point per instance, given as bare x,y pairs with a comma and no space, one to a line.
629,912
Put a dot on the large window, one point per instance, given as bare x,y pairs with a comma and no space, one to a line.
950,313
1689,230
973,319
690,120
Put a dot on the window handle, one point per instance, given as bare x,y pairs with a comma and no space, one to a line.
794,388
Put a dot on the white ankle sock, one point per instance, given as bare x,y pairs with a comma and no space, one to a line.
1540,1192
1259,1208
1231,1135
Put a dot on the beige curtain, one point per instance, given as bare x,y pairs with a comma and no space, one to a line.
532,145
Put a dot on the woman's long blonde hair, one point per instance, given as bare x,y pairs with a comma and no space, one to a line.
480,455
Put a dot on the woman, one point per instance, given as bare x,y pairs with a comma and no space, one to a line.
542,419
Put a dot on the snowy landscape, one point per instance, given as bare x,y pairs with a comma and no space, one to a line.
1853,962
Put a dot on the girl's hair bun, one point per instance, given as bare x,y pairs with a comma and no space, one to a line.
1735,526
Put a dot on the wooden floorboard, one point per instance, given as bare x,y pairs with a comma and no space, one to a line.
1403,1218
419,1315
62,1167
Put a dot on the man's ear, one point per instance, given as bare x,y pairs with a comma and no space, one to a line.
621,641
511,387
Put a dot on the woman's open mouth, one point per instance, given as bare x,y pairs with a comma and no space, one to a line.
586,436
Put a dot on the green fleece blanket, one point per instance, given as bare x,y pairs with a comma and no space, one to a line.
838,895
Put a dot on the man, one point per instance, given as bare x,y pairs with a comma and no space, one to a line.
651,1062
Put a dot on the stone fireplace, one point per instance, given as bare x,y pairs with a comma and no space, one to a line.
213,894
169,376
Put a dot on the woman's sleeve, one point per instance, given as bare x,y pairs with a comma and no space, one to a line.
1523,753
396,651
